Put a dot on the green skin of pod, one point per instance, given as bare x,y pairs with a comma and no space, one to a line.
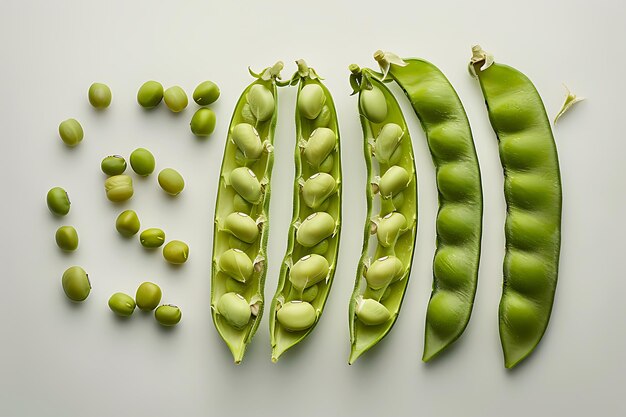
71,132
529,156
168,315
150,94
291,323
76,283
58,201
363,333
206,93
122,304
250,137
459,220
148,296
176,252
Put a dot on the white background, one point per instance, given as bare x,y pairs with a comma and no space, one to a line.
62,359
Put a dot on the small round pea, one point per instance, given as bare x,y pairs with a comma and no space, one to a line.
76,283
113,165
176,252
168,315
148,296
122,304
171,181
150,94
142,161
66,238
203,122
100,95
127,223
152,238
206,92
58,201
71,132
175,99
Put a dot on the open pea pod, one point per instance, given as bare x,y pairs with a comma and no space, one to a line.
532,189
459,219
389,235
239,262
309,264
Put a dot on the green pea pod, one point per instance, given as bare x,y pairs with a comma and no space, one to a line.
383,272
295,311
234,329
459,220
532,189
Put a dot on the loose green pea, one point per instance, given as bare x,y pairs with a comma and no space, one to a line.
148,296
175,99
152,238
387,144
203,122
315,228
176,252
67,238
206,92
71,132
58,201
311,101
171,181
246,184
261,101
150,94
320,144
122,304
389,228
373,104
241,226
142,161
371,312
308,271
168,315
235,309
100,95
393,181
236,264
384,271
296,316
119,188
76,283
127,223
113,165
247,139
317,189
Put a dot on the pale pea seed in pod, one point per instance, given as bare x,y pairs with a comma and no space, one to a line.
76,283
150,94
152,238
246,184
373,104
261,101
148,296
308,271
393,181
320,144
317,189
311,101
206,92
127,223
296,316
58,201
175,99
113,165
66,238
315,228
387,143
176,252
99,95
371,312
122,304
234,309
241,226
142,161
384,271
247,139
389,228
119,188
236,264
171,181
168,315
71,132
202,122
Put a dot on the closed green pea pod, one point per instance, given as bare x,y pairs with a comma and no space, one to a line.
320,144
444,314
168,315
450,141
127,223
241,226
113,165
527,273
261,101
66,238
176,252
76,283
528,231
373,105
371,312
296,316
122,304
530,190
315,228
387,143
171,181
234,309
456,181
308,271
247,140
389,228
119,188
455,223
246,184
519,315
311,101
452,267
236,264
58,201
525,150
436,104
317,189
384,271
514,113
152,238
393,181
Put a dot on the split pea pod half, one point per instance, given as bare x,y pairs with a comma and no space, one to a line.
459,219
532,189
241,214
389,235
309,264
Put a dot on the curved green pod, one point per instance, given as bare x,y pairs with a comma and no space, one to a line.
459,219
532,189
236,333
312,217
389,259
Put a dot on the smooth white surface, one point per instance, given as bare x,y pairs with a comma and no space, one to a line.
62,359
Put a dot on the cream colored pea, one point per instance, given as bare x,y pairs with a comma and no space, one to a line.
66,238
119,188
171,181
247,139
320,144
175,99
389,228
261,101
315,228
311,101
308,271
246,184
373,104
168,315
387,143
242,226
152,238
384,271
71,132
317,189
127,223
122,304
371,312
234,309
296,316
176,252
393,181
236,264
